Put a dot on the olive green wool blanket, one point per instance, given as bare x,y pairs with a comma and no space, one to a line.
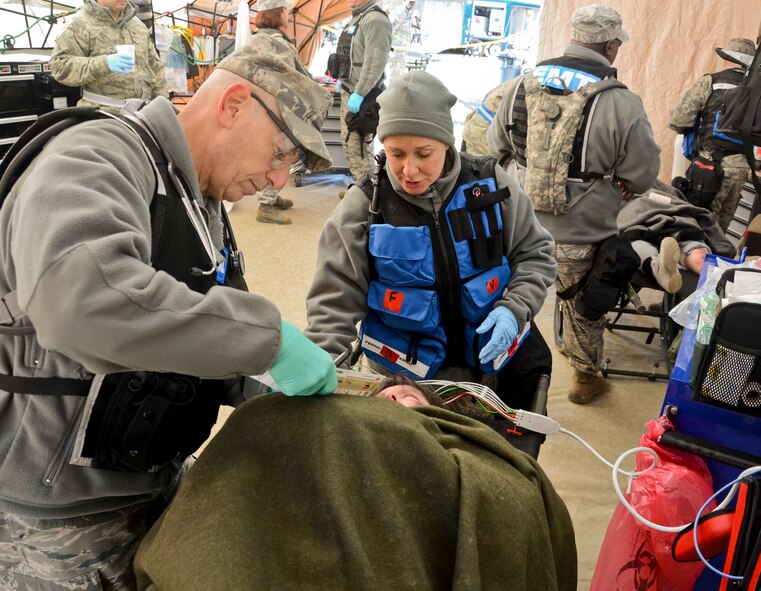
357,494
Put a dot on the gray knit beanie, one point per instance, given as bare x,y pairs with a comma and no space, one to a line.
417,103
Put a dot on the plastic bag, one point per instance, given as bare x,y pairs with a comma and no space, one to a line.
634,556
685,313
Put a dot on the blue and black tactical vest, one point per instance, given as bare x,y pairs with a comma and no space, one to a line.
435,276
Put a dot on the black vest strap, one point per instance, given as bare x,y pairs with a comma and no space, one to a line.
51,386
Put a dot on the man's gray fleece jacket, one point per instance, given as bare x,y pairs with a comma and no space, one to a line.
76,245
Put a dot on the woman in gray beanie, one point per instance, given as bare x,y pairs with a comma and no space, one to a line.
438,254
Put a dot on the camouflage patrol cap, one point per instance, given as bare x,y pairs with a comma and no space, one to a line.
740,45
597,23
273,4
303,103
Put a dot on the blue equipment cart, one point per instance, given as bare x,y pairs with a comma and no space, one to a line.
728,441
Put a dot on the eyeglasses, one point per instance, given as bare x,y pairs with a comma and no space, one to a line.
288,150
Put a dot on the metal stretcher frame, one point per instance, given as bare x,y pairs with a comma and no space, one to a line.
666,330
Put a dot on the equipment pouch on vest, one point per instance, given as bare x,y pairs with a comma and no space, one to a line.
339,66
365,121
704,177
480,293
415,355
477,228
615,264
405,308
403,255
139,421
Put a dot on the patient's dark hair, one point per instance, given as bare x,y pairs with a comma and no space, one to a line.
397,380
465,406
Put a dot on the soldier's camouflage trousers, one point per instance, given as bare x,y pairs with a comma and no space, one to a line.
359,154
725,202
579,339
89,553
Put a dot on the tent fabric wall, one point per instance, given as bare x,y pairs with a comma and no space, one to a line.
308,16
671,45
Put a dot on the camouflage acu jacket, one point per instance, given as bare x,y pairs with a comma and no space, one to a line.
79,57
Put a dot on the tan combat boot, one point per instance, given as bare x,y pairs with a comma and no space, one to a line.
665,266
585,386
282,203
269,214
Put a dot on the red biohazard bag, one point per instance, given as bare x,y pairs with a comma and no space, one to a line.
634,556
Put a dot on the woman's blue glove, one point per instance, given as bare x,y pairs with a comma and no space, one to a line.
120,63
505,330
302,368
355,102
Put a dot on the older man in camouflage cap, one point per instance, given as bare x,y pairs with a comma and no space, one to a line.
120,267
696,113
614,157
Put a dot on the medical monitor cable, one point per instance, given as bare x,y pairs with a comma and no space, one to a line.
547,426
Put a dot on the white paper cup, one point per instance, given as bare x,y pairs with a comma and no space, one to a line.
127,50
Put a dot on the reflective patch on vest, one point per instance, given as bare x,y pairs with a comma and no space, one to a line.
419,368
492,284
723,86
392,300
350,30
574,79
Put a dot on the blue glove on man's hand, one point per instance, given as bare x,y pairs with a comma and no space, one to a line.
338,86
302,368
505,330
355,102
120,63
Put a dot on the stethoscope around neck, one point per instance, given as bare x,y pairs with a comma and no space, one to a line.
196,219
192,208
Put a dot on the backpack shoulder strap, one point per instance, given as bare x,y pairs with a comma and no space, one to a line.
594,88
34,138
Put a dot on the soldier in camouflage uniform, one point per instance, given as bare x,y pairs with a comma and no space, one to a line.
370,43
401,25
477,122
698,108
272,20
84,48
620,159
99,305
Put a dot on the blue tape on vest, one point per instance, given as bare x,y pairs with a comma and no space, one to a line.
485,113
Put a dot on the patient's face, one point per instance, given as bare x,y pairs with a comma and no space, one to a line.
405,395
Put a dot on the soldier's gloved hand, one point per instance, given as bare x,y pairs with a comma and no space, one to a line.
302,368
504,333
355,102
120,63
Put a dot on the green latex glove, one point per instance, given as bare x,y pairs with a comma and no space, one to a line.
302,368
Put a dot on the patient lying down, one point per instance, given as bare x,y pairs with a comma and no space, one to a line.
347,493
